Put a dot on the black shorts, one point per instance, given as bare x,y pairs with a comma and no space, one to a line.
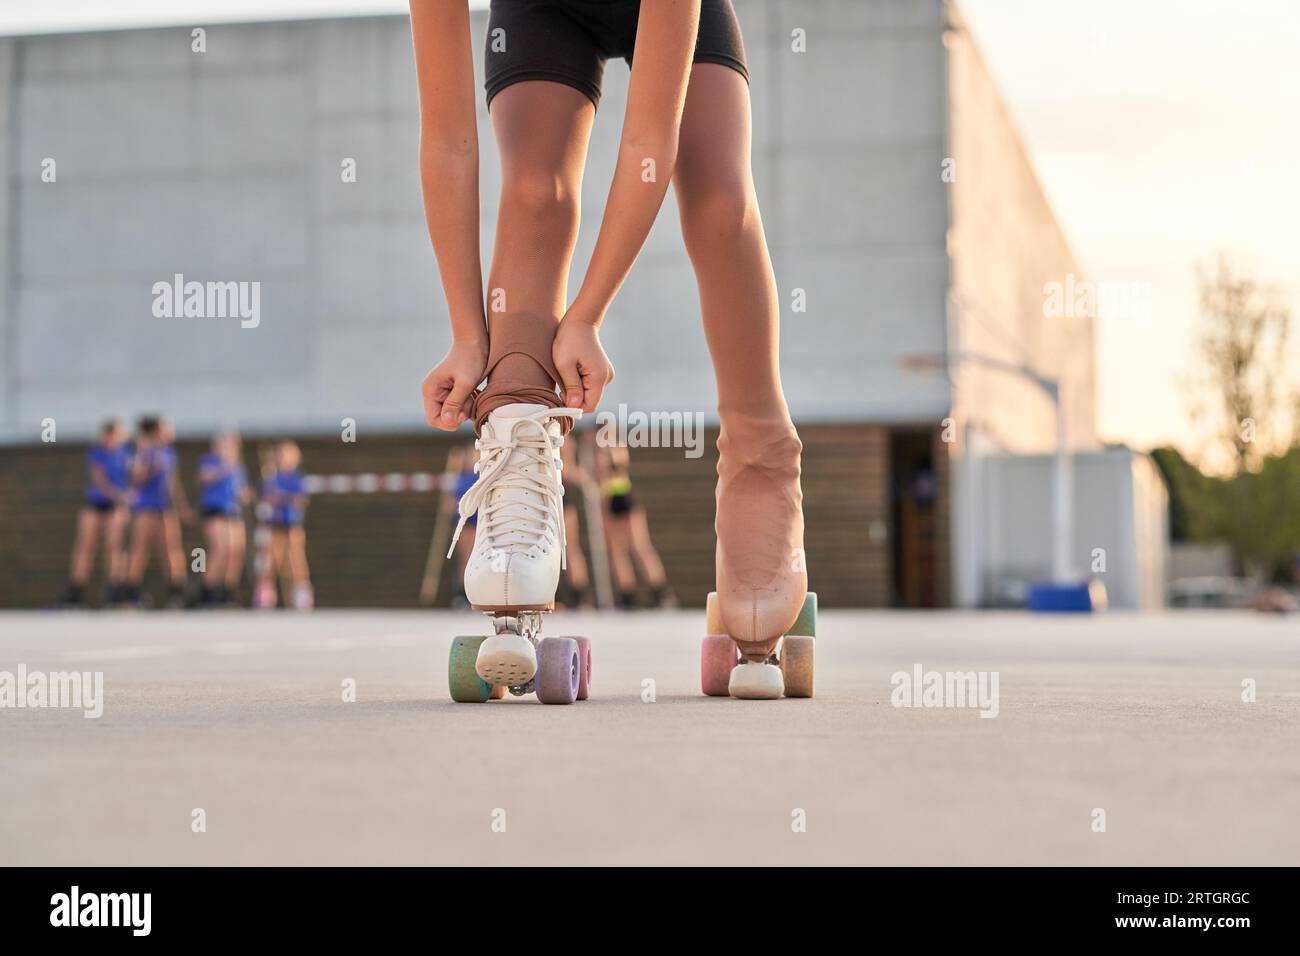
568,41
103,507
621,504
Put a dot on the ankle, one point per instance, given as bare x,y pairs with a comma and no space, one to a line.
765,442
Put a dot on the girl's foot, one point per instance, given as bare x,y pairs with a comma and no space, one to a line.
761,575
519,498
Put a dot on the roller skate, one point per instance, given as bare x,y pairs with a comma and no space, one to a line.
787,670
761,622
514,567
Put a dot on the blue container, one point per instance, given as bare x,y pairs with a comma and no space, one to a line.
1055,597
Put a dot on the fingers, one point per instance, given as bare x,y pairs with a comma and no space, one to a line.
572,383
444,400
593,386
453,405
434,392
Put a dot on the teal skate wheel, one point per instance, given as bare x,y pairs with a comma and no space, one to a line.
462,679
805,625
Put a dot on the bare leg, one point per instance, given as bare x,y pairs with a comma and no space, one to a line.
83,548
579,578
280,564
218,535
620,564
237,540
174,554
298,556
643,549
115,545
542,130
145,528
761,582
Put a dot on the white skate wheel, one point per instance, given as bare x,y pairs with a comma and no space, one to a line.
753,680
507,659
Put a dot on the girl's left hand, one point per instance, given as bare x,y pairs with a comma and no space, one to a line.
584,367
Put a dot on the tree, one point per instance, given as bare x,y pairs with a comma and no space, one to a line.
1244,391
1252,408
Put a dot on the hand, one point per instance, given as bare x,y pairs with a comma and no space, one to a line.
448,385
583,366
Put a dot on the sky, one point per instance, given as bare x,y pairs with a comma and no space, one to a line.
1163,131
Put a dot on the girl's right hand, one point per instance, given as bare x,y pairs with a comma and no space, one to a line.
448,386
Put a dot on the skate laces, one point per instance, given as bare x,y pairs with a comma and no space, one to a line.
518,494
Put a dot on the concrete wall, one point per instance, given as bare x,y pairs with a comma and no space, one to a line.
225,166
8,232
1006,246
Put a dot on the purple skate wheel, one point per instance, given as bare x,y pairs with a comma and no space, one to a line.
557,670
584,667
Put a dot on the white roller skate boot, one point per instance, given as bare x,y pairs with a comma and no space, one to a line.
514,567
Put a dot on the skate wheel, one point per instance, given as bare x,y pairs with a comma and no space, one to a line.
806,623
717,659
584,667
798,652
557,670
713,616
462,679
498,692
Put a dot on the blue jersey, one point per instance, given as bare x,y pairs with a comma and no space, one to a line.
285,486
115,463
222,493
153,493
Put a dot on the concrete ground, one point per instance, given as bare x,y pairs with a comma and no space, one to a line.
241,715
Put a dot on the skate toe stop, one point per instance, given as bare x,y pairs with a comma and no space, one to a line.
753,680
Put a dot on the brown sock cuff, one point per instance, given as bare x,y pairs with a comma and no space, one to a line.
520,335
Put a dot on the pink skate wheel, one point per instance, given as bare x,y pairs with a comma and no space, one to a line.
584,667
557,670
717,660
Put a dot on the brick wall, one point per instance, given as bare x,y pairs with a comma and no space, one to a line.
369,550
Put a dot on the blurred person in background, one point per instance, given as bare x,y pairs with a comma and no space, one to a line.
178,510
576,571
288,498
465,477
223,492
627,533
263,566
153,482
103,515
